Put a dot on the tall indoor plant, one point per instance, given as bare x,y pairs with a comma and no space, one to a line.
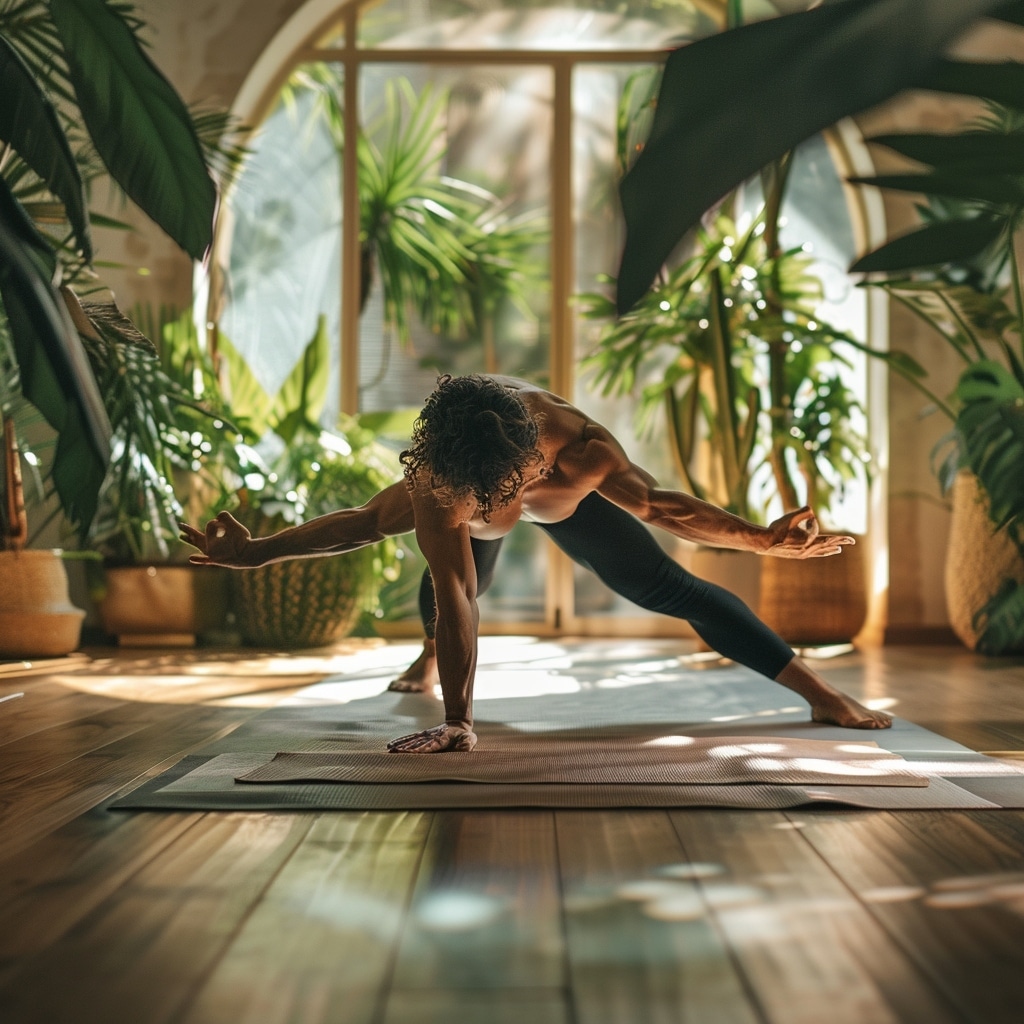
731,357
728,354
801,73
78,85
728,346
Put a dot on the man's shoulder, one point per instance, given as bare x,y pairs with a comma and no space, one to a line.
593,457
434,509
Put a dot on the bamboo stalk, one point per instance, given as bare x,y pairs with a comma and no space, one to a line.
17,520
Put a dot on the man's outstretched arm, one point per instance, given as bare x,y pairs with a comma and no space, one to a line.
445,544
794,535
226,542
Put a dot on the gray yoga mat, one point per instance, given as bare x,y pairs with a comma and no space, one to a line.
591,724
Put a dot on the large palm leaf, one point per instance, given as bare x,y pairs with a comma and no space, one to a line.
84,56
732,103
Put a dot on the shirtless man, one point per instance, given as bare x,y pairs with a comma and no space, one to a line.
489,451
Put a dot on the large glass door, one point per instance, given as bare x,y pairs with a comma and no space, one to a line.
508,118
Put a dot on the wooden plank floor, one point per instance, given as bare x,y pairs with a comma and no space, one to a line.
568,917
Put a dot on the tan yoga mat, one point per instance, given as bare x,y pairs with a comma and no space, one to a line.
592,723
672,760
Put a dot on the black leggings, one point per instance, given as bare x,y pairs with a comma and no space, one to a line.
617,548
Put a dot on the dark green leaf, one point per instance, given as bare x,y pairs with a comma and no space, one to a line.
1000,622
30,125
54,373
988,152
732,103
102,220
945,242
993,189
137,122
1013,12
999,81
959,312
991,425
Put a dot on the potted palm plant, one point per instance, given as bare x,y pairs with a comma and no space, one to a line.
729,355
173,456
83,102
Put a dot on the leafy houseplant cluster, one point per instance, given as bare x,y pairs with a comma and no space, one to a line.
803,72
291,469
729,349
960,273
81,100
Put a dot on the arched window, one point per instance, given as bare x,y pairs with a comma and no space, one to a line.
503,116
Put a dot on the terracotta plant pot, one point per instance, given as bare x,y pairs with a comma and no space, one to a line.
37,618
978,559
163,605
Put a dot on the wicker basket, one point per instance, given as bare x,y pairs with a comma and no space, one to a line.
37,618
301,603
816,601
978,559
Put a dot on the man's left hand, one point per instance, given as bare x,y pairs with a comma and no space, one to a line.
796,535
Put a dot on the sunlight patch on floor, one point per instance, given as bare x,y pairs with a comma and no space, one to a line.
768,713
881,703
499,685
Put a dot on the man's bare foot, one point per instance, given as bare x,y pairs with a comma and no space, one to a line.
434,741
421,676
829,705
838,709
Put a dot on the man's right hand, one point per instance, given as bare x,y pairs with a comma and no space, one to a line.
225,542
796,535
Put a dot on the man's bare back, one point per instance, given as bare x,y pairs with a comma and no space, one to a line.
566,458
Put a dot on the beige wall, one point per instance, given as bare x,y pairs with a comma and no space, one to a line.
207,47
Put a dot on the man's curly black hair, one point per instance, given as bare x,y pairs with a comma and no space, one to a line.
473,437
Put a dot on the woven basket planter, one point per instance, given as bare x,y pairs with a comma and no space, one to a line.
978,558
37,618
816,602
308,602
